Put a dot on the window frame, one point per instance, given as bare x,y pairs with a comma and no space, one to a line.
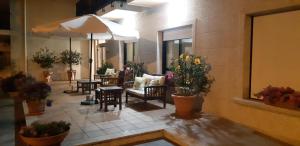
251,19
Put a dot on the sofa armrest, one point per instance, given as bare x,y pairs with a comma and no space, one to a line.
155,91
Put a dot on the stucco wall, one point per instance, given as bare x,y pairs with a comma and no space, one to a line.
221,36
43,12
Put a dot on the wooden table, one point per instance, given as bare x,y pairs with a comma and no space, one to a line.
111,95
85,85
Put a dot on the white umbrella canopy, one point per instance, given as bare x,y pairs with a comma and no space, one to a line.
55,29
78,28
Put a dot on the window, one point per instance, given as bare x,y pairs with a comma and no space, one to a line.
173,49
175,42
129,52
275,51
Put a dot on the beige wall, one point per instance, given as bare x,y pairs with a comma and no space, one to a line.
112,53
221,36
276,51
46,11
17,36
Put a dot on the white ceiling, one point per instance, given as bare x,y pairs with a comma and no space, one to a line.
147,3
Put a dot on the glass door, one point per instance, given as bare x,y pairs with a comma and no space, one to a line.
172,49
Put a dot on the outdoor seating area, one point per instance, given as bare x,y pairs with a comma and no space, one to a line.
149,73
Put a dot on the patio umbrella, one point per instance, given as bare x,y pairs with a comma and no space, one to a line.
92,24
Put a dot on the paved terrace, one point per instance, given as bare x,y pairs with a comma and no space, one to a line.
89,125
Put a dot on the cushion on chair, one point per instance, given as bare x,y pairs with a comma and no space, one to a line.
139,83
149,78
110,71
136,92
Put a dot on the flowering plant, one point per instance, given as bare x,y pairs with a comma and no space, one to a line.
191,75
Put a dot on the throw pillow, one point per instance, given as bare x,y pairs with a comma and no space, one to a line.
110,71
139,83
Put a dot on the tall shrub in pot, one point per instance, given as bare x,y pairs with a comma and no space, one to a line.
192,80
46,59
70,58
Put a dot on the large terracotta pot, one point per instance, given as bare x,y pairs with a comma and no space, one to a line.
184,106
36,107
47,76
45,141
71,75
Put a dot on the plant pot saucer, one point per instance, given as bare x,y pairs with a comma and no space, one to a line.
195,115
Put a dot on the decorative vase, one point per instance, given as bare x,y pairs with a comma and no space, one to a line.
36,107
184,106
45,141
71,75
47,76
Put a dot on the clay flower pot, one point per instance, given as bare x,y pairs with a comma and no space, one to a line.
36,107
71,75
45,141
47,76
184,106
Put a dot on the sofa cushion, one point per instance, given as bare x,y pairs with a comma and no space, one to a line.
136,92
149,78
139,83
110,71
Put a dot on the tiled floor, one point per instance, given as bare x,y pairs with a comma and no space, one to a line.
91,125
7,128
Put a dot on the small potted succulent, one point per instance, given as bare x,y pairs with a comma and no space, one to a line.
192,81
45,58
35,95
70,58
45,134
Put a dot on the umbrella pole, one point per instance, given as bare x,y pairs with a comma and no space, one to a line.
91,60
70,79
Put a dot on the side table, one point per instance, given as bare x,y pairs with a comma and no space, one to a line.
111,95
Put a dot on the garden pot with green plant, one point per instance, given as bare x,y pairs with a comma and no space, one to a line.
101,70
35,95
45,134
70,58
46,59
192,83
14,83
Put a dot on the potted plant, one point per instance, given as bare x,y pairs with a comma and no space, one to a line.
101,70
190,74
138,68
35,95
47,134
45,58
280,96
70,58
12,84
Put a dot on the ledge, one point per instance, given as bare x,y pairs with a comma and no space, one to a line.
262,106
